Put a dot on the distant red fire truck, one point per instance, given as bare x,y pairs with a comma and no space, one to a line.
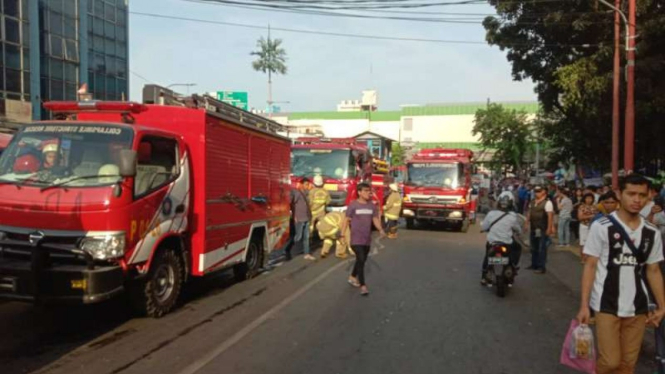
438,188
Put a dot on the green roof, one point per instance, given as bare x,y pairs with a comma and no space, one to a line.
412,111
463,109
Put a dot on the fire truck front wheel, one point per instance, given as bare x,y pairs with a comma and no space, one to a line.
410,223
159,292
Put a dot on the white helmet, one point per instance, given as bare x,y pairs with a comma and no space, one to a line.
318,181
393,187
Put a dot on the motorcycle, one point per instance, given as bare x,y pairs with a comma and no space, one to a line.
500,272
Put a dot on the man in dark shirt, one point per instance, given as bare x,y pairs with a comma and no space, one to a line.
361,214
301,216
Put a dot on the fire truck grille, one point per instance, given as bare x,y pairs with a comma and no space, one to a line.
434,200
337,198
17,246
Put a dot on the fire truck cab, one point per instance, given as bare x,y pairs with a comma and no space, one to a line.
438,188
119,196
342,163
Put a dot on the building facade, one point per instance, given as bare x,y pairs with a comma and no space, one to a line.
51,47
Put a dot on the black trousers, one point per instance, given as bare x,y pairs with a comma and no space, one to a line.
362,252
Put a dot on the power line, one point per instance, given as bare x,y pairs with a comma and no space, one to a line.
326,33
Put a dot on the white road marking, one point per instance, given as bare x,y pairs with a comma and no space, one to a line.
210,356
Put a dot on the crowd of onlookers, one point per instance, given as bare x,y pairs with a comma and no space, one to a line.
576,208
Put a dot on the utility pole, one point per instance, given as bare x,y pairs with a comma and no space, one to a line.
616,97
629,137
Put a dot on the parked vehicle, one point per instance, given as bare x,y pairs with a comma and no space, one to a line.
438,188
342,163
139,198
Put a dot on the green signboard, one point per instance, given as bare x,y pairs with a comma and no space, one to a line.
238,99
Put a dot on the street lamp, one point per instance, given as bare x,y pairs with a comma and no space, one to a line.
182,85
629,136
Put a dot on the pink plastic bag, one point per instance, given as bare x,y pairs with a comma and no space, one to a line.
583,365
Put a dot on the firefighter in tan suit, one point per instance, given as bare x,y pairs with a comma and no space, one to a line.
330,231
392,211
319,199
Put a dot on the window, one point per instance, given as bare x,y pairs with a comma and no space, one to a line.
121,17
91,81
122,68
55,23
121,50
56,48
99,8
70,8
70,28
12,30
70,91
13,81
109,12
26,34
98,27
11,8
71,50
26,83
71,72
12,56
109,30
156,164
57,69
120,33
57,89
408,124
109,47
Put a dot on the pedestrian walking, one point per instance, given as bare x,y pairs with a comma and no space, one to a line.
565,205
608,204
319,199
585,213
361,214
392,210
301,216
623,251
330,230
540,219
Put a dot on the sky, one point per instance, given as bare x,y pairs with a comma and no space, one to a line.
322,70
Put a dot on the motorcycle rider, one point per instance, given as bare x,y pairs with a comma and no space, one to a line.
392,210
319,198
329,228
501,224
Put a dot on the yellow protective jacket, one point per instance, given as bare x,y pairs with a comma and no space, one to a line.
318,200
330,225
393,206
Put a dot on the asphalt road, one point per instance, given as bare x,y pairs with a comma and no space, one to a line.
426,313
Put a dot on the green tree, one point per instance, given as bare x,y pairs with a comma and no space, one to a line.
398,155
507,133
271,59
566,48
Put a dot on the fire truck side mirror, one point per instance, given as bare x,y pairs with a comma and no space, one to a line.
127,167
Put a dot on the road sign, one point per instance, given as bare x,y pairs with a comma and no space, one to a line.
235,98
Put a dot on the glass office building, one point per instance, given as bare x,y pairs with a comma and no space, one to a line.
51,47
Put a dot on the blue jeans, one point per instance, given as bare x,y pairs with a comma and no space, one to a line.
564,231
302,235
539,250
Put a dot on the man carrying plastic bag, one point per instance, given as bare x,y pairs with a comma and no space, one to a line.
623,251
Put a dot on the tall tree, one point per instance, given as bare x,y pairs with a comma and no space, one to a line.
271,60
506,132
566,48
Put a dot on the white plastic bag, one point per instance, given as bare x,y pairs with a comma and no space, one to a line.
582,344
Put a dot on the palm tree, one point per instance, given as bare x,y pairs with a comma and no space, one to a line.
271,60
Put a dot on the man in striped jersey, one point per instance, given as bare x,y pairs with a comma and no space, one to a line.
613,282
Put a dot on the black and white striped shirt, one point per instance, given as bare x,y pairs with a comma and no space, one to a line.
619,288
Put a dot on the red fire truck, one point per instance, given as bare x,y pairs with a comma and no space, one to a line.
438,188
342,163
119,196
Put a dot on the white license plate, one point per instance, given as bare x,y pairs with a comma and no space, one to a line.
498,260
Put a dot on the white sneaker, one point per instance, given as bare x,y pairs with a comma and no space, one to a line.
309,257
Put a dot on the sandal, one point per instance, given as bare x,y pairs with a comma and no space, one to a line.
364,291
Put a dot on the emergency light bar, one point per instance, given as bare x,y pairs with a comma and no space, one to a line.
446,153
94,106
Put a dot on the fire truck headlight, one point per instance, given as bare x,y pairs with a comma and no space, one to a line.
408,213
407,199
105,247
455,214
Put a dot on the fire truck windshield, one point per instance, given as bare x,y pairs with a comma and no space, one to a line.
331,163
430,174
46,155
